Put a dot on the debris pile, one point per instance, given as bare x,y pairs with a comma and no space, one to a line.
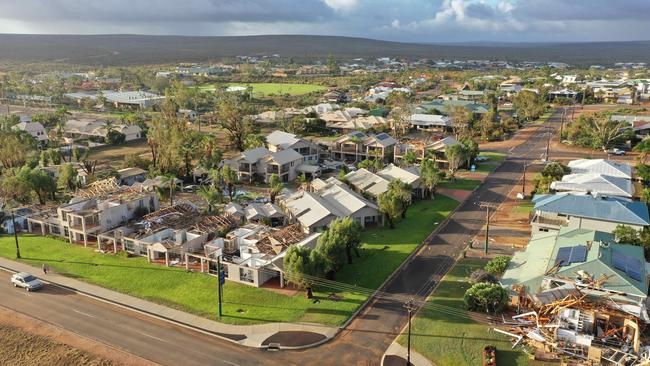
571,322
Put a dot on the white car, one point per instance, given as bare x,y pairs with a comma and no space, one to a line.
26,281
616,151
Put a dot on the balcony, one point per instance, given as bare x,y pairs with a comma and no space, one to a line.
245,168
349,149
561,221
272,169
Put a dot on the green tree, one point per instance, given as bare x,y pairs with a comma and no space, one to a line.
233,118
255,140
67,178
403,192
229,178
490,297
455,155
430,176
627,235
410,158
301,264
643,147
497,265
391,206
528,105
343,236
461,118
211,195
470,150
276,186
169,182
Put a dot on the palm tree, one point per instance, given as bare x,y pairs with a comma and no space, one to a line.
276,187
402,191
229,178
389,205
169,180
430,176
211,195
304,182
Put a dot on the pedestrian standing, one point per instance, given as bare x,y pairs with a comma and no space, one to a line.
45,268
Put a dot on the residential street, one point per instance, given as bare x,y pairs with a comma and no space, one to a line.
363,342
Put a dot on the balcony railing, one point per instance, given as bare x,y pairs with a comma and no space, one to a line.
550,221
245,168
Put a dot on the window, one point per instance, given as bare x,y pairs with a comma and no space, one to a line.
246,275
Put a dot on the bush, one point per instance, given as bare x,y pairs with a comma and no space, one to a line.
482,276
497,265
490,297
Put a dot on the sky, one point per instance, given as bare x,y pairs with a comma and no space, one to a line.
438,21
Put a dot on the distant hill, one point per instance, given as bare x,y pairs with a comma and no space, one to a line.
141,49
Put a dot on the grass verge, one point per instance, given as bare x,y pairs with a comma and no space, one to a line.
460,183
458,340
383,251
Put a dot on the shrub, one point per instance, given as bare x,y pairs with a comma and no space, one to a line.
497,265
490,297
481,276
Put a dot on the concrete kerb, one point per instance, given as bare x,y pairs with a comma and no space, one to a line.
261,334
153,315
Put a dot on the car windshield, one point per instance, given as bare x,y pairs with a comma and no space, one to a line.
29,278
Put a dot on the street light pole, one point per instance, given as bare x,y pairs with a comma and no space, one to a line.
13,222
219,288
409,307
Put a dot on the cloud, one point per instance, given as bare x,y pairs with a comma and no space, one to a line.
341,5
151,11
399,20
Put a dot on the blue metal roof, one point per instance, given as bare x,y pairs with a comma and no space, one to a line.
614,209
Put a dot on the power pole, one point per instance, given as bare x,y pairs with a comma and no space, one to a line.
222,277
523,183
487,206
562,124
13,222
410,307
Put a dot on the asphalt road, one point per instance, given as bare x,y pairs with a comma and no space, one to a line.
363,342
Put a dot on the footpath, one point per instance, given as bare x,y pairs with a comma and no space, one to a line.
287,335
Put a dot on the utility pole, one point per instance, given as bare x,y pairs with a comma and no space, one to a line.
523,183
13,222
562,124
410,307
221,278
487,206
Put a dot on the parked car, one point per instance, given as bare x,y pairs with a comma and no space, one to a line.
616,151
26,281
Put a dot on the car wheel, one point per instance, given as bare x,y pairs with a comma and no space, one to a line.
13,283
27,289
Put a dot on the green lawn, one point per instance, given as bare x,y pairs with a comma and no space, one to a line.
543,118
460,183
266,89
383,251
452,340
524,207
494,160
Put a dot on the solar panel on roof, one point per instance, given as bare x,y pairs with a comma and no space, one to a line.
634,273
382,136
563,255
630,265
618,260
358,134
578,254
